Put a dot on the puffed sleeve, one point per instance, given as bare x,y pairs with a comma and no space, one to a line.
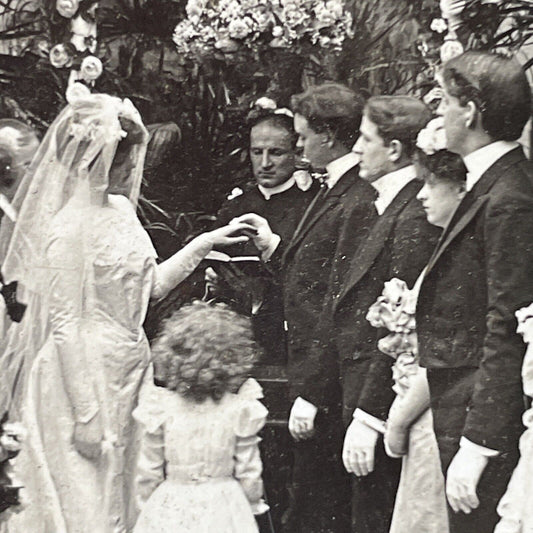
151,415
251,418
66,289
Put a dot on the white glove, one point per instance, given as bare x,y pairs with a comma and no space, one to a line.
359,448
302,419
463,477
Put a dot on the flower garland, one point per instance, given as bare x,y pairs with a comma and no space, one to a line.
231,25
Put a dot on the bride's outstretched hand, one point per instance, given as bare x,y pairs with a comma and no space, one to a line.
88,438
231,234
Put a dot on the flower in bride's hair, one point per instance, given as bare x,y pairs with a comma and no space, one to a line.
432,138
91,68
61,55
67,8
77,91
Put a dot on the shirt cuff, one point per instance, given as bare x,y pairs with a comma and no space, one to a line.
371,421
304,408
272,246
486,452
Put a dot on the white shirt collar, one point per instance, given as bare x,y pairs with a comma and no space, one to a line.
337,168
479,161
389,185
268,192
7,208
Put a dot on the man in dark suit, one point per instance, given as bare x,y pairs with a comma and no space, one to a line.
327,119
479,275
398,245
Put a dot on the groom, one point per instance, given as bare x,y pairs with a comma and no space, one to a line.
479,275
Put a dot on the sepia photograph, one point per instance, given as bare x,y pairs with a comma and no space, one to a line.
266,266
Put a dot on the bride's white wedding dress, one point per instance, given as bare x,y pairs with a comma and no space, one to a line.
98,302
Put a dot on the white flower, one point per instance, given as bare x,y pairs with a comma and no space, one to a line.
439,25
77,91
67,8
227,45
450,49
60,56
237,191
239,28
303,180
265,103
83,34
277,31
91,68
433,137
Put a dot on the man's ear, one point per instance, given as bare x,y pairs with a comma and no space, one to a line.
328,139
471,115
395,151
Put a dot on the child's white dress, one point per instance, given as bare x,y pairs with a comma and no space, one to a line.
199,470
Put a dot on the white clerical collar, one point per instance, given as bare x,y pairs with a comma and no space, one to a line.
268,192
7,208
337,168
389,185
479,161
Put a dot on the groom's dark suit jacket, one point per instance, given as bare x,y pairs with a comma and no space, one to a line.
398,245
479,275
342,214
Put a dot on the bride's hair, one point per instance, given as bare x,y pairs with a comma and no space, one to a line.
204,351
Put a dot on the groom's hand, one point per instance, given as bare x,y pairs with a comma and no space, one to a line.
462,479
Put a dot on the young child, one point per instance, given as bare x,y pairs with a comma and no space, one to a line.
199,468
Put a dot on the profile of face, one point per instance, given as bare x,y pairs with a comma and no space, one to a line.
272,154
456,120
316,146
440,198
376,156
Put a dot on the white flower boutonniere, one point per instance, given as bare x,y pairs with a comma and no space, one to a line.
236,192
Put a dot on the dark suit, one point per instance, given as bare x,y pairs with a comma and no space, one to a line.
320,486
479,275
399,245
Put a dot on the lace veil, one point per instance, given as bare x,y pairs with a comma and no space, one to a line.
72,163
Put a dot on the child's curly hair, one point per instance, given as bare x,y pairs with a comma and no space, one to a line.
204,351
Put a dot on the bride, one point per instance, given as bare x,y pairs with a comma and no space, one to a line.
88,269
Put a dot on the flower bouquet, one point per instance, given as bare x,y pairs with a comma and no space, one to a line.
11,437
395,311
232,25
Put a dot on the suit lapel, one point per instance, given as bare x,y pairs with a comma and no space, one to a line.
367,253
472,203
318,208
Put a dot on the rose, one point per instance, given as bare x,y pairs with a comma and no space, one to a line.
450,49
83,34
433,137
277,31
67,8
239,28
61,56
91,68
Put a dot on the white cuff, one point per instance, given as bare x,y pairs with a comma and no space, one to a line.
486,452
371,421
267,253
304,408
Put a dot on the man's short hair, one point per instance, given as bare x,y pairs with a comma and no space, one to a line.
497,86
331,107
398,118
